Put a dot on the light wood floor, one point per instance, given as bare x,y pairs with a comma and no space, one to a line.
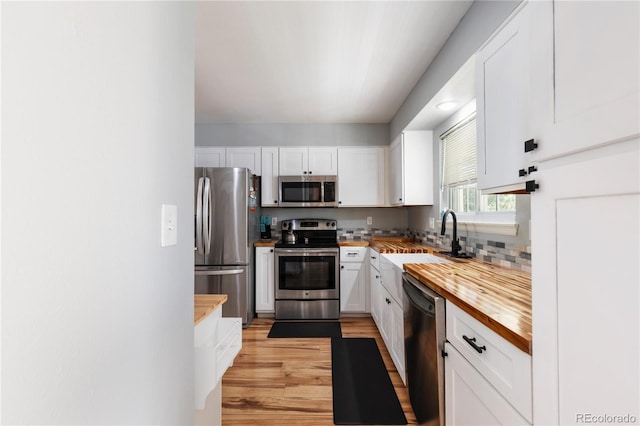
288,381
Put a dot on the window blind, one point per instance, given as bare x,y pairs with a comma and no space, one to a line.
459,154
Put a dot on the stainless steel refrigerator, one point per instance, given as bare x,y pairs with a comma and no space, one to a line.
225,227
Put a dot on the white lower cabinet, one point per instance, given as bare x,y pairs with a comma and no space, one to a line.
487,379
217,342
469,397
265,280
386,309
353,280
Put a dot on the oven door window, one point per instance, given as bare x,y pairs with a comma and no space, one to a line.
301,192
307,272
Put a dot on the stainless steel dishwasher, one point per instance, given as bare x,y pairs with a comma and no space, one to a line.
424,337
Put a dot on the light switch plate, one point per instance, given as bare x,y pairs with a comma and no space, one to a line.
432,223
169,221
369,220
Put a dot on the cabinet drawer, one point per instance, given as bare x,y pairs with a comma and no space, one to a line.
352,254
216,346
374,258
505,367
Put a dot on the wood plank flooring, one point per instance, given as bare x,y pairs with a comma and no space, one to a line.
288,381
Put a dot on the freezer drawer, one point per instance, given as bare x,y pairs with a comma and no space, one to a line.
234,281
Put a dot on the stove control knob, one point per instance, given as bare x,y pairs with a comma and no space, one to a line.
284,225
328,224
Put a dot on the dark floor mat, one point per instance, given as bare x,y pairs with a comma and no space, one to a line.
305,329
362,390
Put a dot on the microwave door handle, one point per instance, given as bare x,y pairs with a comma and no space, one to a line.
206,208
199,247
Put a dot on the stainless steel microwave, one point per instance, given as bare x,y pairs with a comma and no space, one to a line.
308,191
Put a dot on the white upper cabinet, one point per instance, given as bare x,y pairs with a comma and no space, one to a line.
411,168
220,156
244,156
502,82
296,161
269,183
585,89
209,156
361,172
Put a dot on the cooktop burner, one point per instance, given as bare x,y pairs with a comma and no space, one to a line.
309,233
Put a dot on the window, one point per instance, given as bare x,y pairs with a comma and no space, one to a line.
459,190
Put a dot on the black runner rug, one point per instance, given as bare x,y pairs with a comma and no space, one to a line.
305,329
362,390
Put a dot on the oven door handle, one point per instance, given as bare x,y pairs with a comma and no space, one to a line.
219,272
308,251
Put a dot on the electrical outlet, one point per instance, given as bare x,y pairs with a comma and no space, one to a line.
274,221
432,223
169,225
369,220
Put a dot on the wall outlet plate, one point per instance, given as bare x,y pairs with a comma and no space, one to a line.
432,223
369,220
274,221
169,225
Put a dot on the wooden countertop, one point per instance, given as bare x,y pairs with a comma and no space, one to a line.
406,246
204,304
354,243
265,243
498,297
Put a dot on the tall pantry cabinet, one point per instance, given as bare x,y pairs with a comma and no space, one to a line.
585,99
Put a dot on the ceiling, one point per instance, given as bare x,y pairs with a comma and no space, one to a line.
314,61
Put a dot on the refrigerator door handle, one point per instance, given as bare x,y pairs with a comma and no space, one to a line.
206,208
199,246
221,272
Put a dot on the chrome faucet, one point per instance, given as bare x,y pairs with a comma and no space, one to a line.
455,244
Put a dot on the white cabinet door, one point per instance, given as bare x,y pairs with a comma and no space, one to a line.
323,161
397,339
298,160
396,176
209,156
353,281
585,88
376,296
411,169
361,176
244,156
502,81
586,306
269,182
265,280
294,161
470,399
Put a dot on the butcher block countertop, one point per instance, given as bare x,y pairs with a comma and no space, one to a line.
400,245
265,243
354,243
498,297
204,304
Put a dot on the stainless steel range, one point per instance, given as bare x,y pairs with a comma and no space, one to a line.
307,262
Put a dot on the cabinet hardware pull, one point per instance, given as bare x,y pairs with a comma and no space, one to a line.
388,301
373,257
522,172
530,145
472,342
531,186
377,276
310,172
532,169
341,266
304,172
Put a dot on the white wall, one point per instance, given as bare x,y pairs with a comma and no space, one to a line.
477,25
291,134
97,133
